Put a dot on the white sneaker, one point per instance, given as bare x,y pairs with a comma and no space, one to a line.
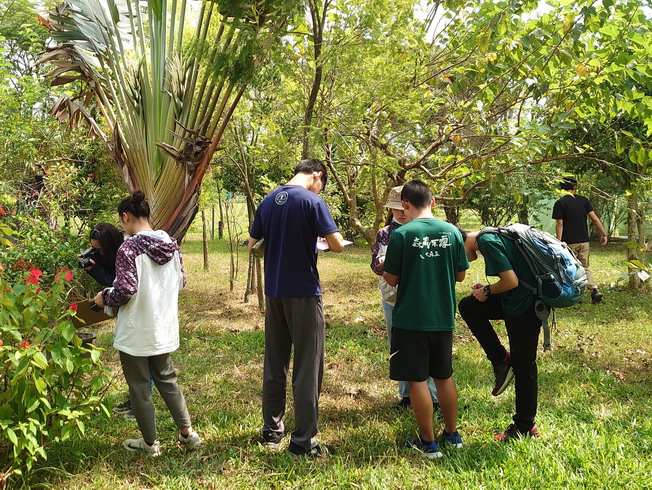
192,440
140,445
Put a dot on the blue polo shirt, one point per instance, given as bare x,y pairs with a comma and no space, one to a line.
290,219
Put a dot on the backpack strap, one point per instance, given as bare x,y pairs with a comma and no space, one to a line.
519,246
542,311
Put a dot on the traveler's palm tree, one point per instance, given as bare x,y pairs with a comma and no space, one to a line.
158,92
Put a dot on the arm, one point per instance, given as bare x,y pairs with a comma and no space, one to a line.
126,280
100,274
392,279
598,224
559,228
460,276
508,280
334,240
378,258
252,242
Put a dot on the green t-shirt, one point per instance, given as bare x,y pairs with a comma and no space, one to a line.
427,254
500,255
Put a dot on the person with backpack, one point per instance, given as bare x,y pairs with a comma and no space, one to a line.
570,213
510,300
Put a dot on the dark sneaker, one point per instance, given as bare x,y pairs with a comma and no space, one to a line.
430,450
404,403
272,440
129,415
316,451
452,438
504,373
123,407
513,432
596,296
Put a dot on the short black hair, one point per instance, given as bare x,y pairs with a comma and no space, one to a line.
568,184
134,204
310,165
417,193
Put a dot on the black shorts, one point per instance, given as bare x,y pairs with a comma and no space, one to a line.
416,355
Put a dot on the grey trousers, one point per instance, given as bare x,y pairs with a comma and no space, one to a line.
137,372
298,322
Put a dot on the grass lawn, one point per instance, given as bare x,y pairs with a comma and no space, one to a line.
594,406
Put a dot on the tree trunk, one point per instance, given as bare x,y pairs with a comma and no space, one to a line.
452,211
318,21
524,212
634,228
204,240
220,225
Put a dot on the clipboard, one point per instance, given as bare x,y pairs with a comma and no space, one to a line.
89,317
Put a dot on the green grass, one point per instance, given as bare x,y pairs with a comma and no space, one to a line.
594,406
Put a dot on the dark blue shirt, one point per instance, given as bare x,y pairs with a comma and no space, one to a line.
290,219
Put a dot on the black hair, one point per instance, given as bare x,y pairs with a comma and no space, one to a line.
417,193
134,204
310,165
568,184
110,239
463,232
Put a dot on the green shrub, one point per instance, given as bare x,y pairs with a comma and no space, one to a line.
47,389
37,245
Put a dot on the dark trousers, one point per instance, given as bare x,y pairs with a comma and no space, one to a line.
523,333
298,322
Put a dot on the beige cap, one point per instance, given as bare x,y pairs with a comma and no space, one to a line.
394,201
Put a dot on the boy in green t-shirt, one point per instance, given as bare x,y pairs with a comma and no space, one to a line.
512,302
426,256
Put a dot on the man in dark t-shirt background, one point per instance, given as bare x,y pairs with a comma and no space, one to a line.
290,219
571,211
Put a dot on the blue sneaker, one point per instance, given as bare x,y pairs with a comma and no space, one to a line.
452,438
430,451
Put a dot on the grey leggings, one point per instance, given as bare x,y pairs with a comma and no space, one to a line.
137,372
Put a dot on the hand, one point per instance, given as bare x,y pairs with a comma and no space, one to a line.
99,300
90,266
478,293
603,240
477,285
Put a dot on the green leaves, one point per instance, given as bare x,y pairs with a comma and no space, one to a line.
47,388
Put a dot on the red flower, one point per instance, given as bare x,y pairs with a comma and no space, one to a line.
1,343
24,345
2,212
34,274
72,306
67,277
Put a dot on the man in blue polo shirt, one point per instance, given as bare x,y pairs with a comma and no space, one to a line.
291,219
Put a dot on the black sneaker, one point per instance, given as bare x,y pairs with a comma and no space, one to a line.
314,452
596,296
504,373
124,407
272,440
404,403
513,432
